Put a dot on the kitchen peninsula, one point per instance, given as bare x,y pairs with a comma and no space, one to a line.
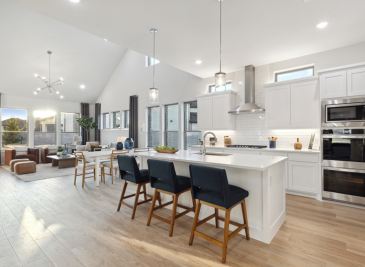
262,176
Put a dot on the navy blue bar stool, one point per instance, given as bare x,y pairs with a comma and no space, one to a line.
164,179
210,187
130,173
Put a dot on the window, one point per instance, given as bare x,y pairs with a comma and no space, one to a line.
151,61
294,74
44,128
116,119
212,88
191,133
126,119
69,127
172,126
14,127
105,120
154,126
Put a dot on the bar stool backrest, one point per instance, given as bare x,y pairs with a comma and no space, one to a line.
212,179
128,167
165,171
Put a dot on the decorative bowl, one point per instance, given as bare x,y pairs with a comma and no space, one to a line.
166,151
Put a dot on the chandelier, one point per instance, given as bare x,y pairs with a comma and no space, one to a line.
220,77
49,85
153,94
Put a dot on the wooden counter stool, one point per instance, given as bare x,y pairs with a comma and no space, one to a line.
210,187
132,175
164,179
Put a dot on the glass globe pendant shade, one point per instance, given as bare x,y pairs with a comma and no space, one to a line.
220,81
153,96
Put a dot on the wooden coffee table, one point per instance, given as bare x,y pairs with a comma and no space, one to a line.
66,161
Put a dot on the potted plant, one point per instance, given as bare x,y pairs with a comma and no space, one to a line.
87,123
60,150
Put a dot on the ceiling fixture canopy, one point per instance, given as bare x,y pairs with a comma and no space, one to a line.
220,77
49,85
153,95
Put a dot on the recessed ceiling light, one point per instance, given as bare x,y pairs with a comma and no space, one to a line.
240,82
36,75
75,1
82,86
198,62
57,92
61,96
322,25
61,79
38,89
35,93
105,40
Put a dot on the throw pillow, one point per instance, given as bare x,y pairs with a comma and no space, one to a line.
93,147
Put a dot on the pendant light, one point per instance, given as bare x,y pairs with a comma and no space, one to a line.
220,77
153,91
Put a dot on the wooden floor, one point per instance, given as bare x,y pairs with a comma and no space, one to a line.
54,223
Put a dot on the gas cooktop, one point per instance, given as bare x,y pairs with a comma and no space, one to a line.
247,146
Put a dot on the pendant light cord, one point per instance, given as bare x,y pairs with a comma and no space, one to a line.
220,36
154,58
49,75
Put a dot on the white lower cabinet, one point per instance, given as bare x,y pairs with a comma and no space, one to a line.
303,177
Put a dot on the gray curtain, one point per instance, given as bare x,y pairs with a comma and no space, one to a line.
133,119
2,133
98,120
84,112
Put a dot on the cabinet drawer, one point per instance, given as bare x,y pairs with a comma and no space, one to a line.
278,154
304,157
247,152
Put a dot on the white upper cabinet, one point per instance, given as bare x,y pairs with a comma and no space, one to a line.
213,111
343,81
278,107
205,118
333,84
356,82
304,99
292,104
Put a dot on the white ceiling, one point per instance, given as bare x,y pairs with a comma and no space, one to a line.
79,57
254,31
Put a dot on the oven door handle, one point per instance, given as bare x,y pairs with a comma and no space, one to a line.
345,136
342,170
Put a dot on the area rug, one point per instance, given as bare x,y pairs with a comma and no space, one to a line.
44,171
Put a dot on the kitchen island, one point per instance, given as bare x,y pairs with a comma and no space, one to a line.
262,176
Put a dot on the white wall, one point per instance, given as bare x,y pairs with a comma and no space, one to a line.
175,86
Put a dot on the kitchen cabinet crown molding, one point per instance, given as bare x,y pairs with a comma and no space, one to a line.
228,92
342,67
293,81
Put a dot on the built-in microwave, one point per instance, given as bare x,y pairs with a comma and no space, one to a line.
343,112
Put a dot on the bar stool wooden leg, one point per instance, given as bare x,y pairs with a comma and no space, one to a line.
194,203
159,198
173,214
136,200
196,217
145,192
216,218
75,176
122,196
225,236
152,207
244,212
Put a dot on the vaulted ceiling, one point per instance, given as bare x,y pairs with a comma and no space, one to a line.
254,31
78,56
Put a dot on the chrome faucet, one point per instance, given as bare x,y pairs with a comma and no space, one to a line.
215,139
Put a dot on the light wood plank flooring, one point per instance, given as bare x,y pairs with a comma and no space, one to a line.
54,223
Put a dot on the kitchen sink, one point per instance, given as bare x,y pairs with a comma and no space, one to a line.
213,154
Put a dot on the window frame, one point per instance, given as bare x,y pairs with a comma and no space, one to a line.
294,70
102,121
210,86
111,121
148,125
79,132
124,119
57,116
1,132
165,127
184,124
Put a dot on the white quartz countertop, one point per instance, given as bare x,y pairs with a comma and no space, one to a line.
292,150
252,162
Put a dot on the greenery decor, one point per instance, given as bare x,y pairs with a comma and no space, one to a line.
12,132
87,123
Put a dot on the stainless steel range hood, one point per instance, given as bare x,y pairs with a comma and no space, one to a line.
249,106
